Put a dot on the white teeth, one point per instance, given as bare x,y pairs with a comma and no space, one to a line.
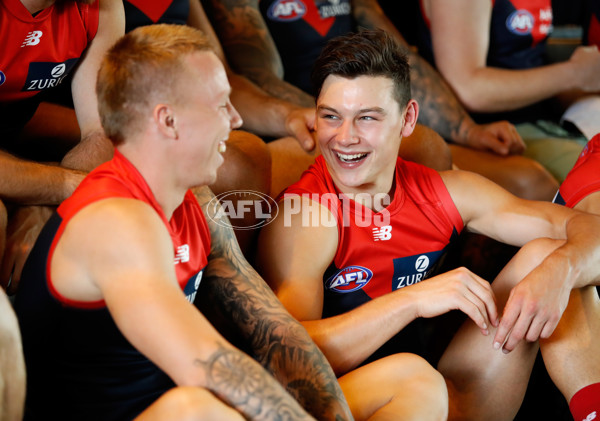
222,147
350,157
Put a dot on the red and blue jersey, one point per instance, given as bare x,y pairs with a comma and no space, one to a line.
79,364
301,28
144,12
379,252
39,51
584,178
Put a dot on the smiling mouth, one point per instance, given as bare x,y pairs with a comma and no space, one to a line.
222,147
350,158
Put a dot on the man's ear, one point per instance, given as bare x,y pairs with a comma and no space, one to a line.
164,118
411,113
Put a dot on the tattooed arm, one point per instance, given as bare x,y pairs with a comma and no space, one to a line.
440,108
136,279
250,49
276,339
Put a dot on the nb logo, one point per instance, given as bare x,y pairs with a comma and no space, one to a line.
383,233
183,254
32,38
590,417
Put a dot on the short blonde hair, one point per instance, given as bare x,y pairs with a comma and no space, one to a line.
143,68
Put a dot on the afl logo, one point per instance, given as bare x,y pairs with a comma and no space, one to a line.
520,22
349,279
2,77
286,10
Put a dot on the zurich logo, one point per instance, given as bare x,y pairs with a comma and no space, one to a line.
2,77
286,10
349,279
520,22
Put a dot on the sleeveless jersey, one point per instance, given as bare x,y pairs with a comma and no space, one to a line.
39,51
79,365
144,12
379,252
584,178
518,33
300,29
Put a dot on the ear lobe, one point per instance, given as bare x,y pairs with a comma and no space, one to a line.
411,113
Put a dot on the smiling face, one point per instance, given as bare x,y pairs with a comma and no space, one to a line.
205,117
359,129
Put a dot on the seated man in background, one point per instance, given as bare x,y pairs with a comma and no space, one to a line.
374,229
275,43
581,190
109,330
42,45
492,53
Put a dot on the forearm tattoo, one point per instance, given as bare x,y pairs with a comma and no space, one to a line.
250,49
277,340
246,386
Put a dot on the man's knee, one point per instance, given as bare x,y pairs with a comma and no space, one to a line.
426,147
191,404
530,180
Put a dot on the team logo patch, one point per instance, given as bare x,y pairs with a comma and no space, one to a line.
286,10
45,75
2,77
520,22
349,279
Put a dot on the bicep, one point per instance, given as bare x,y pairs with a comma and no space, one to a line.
111,26
488,209
293,257
121,248
451,24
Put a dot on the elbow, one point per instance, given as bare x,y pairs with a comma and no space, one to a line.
474,100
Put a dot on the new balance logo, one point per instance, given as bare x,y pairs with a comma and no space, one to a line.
183,254
590,417
383,233
32,38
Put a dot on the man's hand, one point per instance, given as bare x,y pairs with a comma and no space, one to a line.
533,310
23,230
499,137
458,289
300,123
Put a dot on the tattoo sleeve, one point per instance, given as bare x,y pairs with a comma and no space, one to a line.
246,386
440,109
277,341
250,49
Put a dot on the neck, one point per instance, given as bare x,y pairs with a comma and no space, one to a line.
166,192
34,6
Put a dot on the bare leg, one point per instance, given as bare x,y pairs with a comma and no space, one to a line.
521,176
189,404
398,387
12,365
484,383
572,353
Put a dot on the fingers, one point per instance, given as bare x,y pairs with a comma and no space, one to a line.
518,324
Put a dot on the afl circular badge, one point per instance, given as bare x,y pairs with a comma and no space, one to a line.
2,77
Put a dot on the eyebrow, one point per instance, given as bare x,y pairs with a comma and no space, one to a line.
377,110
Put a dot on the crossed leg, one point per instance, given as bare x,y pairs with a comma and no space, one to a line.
486,384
